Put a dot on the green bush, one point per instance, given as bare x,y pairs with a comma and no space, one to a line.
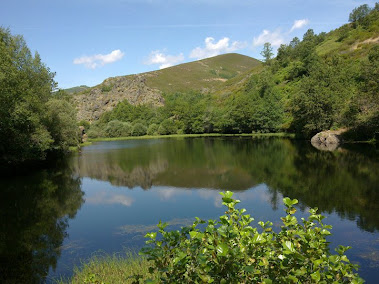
139,129
153,129
85,123
230,250
167,126
116,128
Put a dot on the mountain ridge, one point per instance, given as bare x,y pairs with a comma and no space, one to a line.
206,76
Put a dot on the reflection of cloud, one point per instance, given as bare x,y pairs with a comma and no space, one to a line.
256,193
212,195
110,198
168,193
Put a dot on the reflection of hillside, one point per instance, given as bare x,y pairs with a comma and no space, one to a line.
228,178
139,175
345,181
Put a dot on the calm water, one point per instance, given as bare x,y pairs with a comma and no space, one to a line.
107,197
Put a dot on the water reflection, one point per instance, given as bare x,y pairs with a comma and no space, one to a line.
34,213
345,181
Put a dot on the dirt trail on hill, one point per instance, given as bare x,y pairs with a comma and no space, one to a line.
370,40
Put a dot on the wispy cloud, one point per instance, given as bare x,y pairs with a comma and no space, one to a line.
213,48
99,60
110,198
298,24
276,38
164,60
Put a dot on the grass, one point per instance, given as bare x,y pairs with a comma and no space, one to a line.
281,134
104,268
77,148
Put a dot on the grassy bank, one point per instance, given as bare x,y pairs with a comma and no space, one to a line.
115,268
192,135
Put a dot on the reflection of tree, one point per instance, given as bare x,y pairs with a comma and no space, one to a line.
34,212
345,181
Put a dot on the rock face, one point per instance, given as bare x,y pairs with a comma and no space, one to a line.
327,140
104,97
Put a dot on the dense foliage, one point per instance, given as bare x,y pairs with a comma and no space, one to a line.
33,121
230,250
321,82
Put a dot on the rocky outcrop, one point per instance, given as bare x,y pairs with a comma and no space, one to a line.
327,140
104,97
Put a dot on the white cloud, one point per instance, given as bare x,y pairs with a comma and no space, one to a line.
158,57
275,38
98,60
110,198
298,24
213,48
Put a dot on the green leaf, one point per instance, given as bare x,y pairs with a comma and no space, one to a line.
196,235
222,249
316,276
288,246
249,268
289,202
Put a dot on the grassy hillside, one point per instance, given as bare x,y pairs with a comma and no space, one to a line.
77,89
204,75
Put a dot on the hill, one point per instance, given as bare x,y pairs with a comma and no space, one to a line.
206,76
77,89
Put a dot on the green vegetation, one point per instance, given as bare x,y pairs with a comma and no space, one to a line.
77,89
35,210
230,250
325,81
110,269
206,74
33,120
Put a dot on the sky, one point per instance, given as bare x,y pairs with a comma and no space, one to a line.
87,41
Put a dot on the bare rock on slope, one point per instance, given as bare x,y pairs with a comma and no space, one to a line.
104,97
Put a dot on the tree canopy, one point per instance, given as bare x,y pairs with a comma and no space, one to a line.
30,123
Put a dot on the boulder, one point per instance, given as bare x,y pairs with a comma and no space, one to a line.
326,140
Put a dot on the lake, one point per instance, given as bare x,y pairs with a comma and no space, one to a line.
106,198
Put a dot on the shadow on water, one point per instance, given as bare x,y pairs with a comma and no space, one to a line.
345,181
34,213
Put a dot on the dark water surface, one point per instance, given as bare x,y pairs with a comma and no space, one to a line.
106,198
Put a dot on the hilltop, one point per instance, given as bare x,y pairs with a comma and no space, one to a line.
206,76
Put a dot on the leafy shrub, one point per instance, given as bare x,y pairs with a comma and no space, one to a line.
153,129
116,128
139,129
167,126
96,131
106,88
231,251
85,123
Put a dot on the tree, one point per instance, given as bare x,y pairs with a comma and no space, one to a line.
267,52
359,13
26,86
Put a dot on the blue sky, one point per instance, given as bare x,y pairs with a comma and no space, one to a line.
87,41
